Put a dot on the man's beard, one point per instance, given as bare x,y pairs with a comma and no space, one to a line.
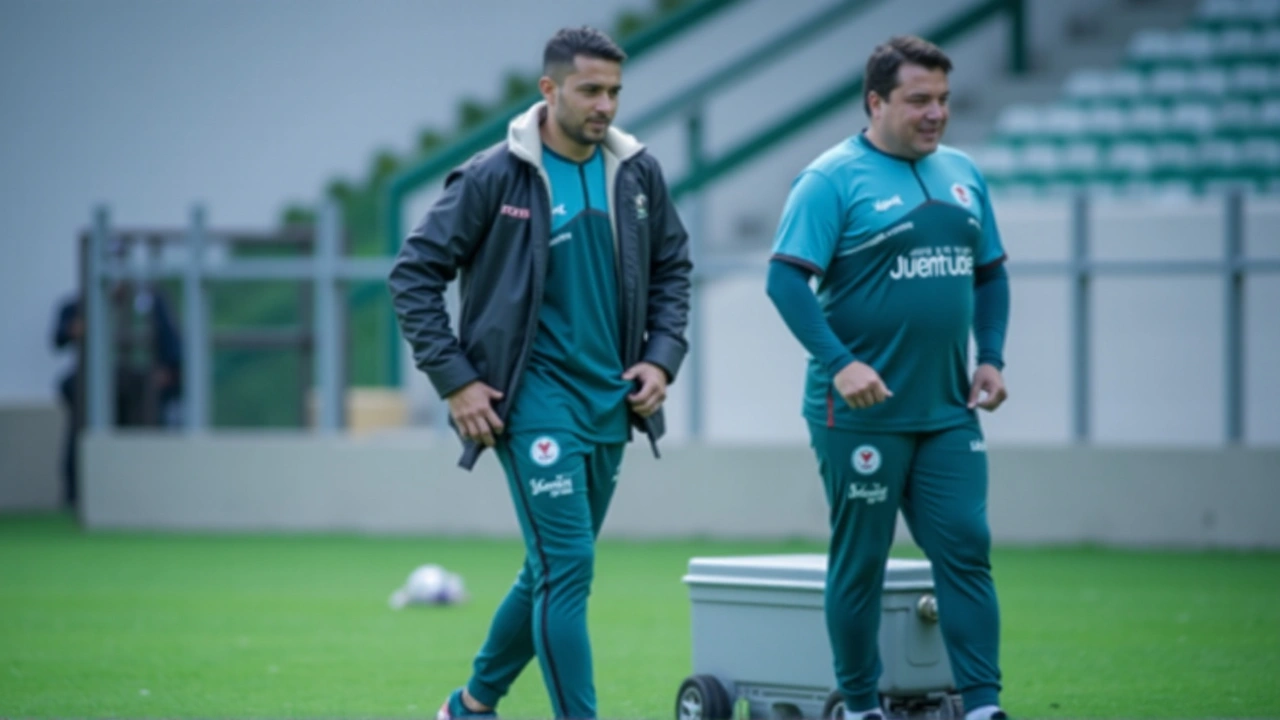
579,134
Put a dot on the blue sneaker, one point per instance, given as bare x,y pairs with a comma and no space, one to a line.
454,708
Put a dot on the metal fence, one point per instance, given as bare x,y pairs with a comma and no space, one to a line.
327,269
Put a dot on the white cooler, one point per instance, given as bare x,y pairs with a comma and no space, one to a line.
760,647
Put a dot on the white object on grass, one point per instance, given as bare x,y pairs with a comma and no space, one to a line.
430,585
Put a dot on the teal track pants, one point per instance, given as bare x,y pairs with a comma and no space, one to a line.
939,481
561,488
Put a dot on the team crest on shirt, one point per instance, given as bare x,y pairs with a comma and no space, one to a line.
866,459
544,451
642,206
961,194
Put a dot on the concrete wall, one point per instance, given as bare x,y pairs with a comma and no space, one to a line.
30,456
408,483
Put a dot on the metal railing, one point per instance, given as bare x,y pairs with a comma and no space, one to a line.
327,270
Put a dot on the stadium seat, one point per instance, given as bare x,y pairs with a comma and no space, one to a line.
1080,162
1173,160
1106,122
1269,116
1191,120
1237,118
1148,120
1041,162
1252,80
1237,13
1018,122
1128,161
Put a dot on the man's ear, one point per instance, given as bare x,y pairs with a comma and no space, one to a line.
874,101
547,87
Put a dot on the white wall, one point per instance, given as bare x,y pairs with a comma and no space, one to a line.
408,483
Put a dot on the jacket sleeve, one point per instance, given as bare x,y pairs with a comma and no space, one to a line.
427,262
669,281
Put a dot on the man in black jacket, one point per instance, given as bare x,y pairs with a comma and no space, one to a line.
574,286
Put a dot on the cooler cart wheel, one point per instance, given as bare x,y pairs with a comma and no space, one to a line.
833,709
956,705
702,697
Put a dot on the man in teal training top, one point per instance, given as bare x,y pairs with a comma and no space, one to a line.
574,295
900,233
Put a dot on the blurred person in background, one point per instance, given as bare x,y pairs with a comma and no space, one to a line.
900,233
574,300
148,369
68,334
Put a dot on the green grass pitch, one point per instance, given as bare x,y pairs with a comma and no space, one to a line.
176,625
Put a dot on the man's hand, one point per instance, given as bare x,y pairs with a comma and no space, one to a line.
860,385
653,388
472,409
987,379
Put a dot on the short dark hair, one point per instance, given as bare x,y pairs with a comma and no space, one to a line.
881,76
569,43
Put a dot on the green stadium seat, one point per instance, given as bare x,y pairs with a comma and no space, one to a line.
997,162
1173,160
1235,44
1062,123
1165,83
1238,118
1262,157
1105,86
1208,83
1147,121
1158,47
1219,159
1088,86
1269,116
1019,122
1040,163
1237,13
1080,161
1105,123
1190,120
1269,44
1128,162
1252,80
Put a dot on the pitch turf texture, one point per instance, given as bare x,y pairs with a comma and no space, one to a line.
171,625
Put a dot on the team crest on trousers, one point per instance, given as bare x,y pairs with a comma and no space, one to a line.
866,459
544,451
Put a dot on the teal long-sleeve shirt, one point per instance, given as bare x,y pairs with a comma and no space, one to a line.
788,288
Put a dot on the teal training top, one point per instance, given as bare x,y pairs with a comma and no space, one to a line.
895,243
573,382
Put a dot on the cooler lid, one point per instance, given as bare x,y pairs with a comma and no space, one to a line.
800,571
